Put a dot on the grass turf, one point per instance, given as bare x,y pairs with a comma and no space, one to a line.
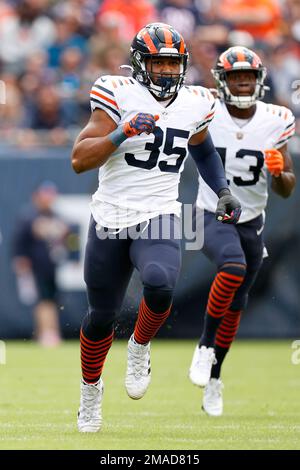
39,394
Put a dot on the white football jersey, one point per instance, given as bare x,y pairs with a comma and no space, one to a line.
140,179
242,152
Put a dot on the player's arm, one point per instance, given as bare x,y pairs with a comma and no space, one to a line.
211,168
21,265
101,136
280,165
93,145
208,160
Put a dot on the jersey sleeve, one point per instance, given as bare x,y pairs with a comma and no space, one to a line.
102,96
207,106
288,127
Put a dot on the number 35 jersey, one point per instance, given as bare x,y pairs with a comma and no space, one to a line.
242,152
140,179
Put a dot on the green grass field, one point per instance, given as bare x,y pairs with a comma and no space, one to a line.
39,394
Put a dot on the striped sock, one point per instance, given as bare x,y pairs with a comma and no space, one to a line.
148,323
228,328
220,298
224,338
93,355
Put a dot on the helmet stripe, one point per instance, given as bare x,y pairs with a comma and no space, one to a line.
181,49
149,43
249,57
168,37
232,57
240,56
226,63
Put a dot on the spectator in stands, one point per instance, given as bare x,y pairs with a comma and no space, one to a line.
24,33
83,11
203,60
67,45
108,33
109,60
12,111
69,76
285,71
67,35
36,74
6,11
50,118
261,18
134,14
181,14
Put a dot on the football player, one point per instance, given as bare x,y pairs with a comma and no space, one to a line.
251,136
139,134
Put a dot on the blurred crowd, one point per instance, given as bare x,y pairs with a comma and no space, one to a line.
52,51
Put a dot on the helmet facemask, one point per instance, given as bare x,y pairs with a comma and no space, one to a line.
238,59
155,41
162,85
241,102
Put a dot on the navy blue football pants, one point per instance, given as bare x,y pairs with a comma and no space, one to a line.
108,267
241,244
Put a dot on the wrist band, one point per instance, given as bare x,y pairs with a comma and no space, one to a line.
117,136
224,192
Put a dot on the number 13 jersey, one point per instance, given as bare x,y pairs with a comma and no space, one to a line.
140,179
242,152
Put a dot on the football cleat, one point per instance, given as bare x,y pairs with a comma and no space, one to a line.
202,362
138,374
90,412
212,398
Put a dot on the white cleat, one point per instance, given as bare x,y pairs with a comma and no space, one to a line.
138,374
202,362
90,412
212,398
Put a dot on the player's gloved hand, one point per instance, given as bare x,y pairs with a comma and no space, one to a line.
141,122
274,162
228,208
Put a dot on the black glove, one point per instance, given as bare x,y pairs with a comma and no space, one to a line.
228,208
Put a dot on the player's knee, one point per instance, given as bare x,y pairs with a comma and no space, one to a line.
231,253
156,275
98,324
157,299
101,318
238,270
158,287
